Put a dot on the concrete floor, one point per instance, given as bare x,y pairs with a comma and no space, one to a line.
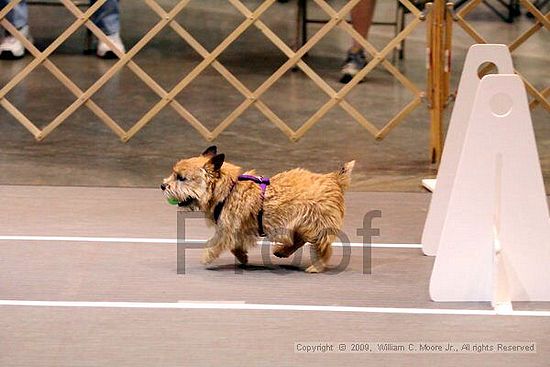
84,152
128,273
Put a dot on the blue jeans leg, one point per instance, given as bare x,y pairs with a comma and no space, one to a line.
107,17
19,15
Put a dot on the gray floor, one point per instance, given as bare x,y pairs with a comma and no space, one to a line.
70,185
140,272
84,152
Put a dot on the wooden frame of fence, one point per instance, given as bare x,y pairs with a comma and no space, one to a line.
439,16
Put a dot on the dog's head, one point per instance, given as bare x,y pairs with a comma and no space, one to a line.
193,180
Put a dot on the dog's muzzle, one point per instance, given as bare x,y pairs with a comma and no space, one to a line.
187,202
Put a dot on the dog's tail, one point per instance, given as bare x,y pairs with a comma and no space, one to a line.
344,175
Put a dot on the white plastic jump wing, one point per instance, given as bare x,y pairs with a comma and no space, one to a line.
495,231
469,83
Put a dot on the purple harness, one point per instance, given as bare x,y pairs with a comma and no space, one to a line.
263,182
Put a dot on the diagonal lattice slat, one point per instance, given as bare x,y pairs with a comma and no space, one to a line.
294,58
124,59
199,68
308,71
251,18
378,57
41,57
542,22
251,97
236,83
84,97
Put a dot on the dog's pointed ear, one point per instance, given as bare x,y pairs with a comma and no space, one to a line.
210,151
215,163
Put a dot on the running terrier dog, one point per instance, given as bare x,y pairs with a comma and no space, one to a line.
290,209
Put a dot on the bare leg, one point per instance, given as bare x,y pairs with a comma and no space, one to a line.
361,19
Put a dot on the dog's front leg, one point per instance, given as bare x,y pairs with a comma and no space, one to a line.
241,246
240,254
212,250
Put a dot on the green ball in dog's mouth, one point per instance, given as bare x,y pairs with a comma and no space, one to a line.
172,201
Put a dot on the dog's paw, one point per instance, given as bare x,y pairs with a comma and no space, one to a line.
207,258
314,269
241,256
280,250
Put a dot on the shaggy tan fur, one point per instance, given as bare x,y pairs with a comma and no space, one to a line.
299,206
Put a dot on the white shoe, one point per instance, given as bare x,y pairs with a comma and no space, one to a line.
11,48
105,52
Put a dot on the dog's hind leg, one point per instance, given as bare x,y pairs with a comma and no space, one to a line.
286,245
322,251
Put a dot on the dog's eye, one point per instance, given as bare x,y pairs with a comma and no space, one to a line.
180,178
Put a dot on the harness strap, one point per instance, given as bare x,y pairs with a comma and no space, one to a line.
218,210
219,206
263,182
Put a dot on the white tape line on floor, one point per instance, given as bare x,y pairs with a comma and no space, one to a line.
174,241
269,307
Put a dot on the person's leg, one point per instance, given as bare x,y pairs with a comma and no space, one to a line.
107,17
10,47
19,15
361,19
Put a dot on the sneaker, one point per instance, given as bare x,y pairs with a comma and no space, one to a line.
105,52
11,48
355,61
